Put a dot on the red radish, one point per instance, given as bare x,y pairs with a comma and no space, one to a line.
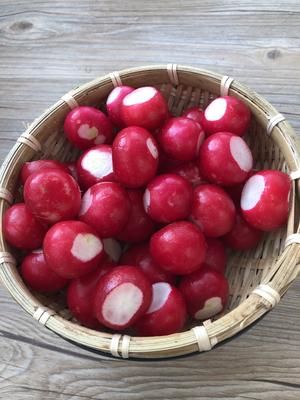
216,257
242,236
213,210
265,199
144,107
167,312
72,249
30,167
135,157
189,171
81,293
181,138
114,102
226,113
37,274
71,166
122,297
168,198
194,113
225,159
106,207
235,192
52,195
139,226
95,165
87,126
112,248
205,292
179,247
21,229
139,255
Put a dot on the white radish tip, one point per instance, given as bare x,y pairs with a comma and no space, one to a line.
86,246
252,192
211,307
215,110
152,148
139,96
98,163
86,202
87,132
112,248
241,153
146,200
113,95
160,294
100,139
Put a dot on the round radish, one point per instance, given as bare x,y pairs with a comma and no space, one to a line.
139,226
179,247
114,102
216,257
87,126
21,229
30,167
72,249
135,157
181,138
71,166
167,312
52,195
106,207
38,275
122,296
226,114
95,165
225,159
168,198
194,113
189,171
145,107
205,292
213,210
265,199
139,255
112,248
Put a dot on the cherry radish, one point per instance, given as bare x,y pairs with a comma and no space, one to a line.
216,257
114,102
194,113
189,171
30,167
71,166
112,248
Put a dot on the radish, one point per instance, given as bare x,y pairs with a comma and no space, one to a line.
72,249
135,157
168,198
71,166
189,171
122,296
205,292
265,199
30,167
144,107
167,312
52,195
114,102
112,248
213,210
226,113
21,229
194,113
38,275
181,138
225,159
216,257
139,255
106,207
87,126
179,247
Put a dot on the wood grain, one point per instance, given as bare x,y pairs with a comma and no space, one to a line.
47,48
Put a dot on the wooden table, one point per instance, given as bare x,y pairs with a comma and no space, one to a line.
49,47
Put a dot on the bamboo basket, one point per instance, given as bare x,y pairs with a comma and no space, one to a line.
257,278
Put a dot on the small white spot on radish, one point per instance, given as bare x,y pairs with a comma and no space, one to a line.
241,153
85,132
112,248
146,200
211,307
152,148
113,95
98,163
160,294
215,110
86,202
122,303
99,139
139,96
50,216
252,192
200,141
86,246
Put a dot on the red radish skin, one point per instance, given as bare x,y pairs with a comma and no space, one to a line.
112,248
235,192
167,313
86,127
144,107
106,207
30,167
72,249
139,226
168,198
194,113
265,200
95,166
179,248
135,157
181,138
226,113
225,159
216,257
21,229
52,195
114,102
205,292
122,296
213,210
38,275
71,166
139,255
189,171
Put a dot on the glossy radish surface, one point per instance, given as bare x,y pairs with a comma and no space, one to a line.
114,102
30,167
189,171
71,166
216,257
194,113
112,248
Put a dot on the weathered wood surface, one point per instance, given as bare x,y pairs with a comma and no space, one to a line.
47,48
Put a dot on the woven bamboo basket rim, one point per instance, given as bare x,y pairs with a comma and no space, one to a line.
199,338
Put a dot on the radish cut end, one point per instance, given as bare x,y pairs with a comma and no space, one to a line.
86,202
86,246
252,192
215,110
241,153
98,163
146,200
211,307
85,132
152,148
139,96
160,294
112,248
113,95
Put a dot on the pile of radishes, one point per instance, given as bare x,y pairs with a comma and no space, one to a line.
137,227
